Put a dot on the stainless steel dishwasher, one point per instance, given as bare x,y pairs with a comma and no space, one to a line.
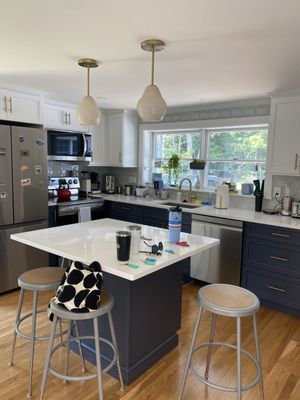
222,264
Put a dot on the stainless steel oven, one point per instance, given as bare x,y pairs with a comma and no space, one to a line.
69,146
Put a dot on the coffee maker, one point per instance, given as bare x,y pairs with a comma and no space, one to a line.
109,184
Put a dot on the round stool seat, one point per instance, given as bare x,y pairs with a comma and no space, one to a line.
45,278
228,300
106,304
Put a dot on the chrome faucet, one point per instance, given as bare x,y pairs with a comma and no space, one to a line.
190,188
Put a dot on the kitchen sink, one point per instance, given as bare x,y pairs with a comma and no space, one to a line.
184,205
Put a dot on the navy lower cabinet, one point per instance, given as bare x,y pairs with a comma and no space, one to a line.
271,266
124,211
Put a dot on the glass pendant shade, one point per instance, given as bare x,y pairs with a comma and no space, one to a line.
151,107
88,113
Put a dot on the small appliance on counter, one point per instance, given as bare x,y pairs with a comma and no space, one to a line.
127,190
85,185
222,196
295,212
286,205
109,184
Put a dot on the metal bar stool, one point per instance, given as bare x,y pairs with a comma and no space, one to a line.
36,280
229,301
106,305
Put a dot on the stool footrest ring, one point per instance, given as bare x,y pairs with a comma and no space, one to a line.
28,337
87,377
227,388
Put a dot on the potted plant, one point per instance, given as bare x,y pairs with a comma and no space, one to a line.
197,164
173,169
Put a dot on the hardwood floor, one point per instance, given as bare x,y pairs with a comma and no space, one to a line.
279,341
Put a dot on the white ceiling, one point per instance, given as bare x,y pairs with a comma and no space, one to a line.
217,50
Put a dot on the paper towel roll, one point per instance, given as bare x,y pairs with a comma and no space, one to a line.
84,214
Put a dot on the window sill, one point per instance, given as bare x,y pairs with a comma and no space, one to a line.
208,190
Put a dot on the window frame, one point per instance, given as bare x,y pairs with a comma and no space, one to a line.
204,149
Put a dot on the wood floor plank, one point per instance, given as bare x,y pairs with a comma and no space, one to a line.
280,348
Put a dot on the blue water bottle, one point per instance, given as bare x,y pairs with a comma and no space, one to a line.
175,218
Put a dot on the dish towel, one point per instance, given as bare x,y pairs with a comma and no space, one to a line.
84,214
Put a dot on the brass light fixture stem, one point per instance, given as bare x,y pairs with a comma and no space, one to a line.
88,81
152,70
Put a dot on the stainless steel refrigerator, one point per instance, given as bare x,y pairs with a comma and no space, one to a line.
23,199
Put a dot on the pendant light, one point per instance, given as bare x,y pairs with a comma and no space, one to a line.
88,113
152,107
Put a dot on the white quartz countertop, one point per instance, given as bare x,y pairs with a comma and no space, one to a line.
239,214
95,241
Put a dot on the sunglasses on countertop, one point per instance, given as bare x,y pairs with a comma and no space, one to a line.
155,249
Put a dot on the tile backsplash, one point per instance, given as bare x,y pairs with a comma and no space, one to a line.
291,182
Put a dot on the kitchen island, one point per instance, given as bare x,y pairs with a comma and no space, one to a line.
147,310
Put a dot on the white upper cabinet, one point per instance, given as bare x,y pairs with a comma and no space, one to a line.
122,139
284,137
115,140
59,117
21,107
99,143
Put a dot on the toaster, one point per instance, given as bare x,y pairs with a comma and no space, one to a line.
295,212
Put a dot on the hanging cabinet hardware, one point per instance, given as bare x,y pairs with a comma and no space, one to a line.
5,104
296,160
277,289
10,104
280,235
279,258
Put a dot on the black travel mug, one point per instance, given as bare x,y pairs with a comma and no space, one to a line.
123,239
258,201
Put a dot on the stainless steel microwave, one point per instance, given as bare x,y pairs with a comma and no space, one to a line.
69,146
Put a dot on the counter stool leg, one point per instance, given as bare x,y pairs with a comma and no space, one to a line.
83,369
258,358
48,355
211,339
98,358
69,334
238,355
32,340
187,366
20,304
114,340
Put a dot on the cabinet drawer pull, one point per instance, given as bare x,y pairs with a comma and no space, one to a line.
296,160
5,104
279,258
280,235
277,289
126,209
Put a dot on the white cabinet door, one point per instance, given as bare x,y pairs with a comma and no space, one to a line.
21,107
58,117
115,139
284,140
122,139
54,117
100,143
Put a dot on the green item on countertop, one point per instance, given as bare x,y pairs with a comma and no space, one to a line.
133,266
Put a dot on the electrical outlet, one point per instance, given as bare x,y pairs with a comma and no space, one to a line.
132,179
276,192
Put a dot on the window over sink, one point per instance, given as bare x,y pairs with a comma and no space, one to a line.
237,154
